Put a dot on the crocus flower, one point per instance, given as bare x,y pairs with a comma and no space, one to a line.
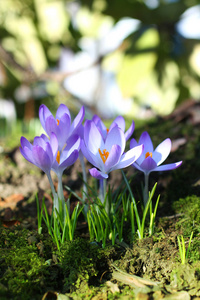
107,155
119,121
151,159
60,125
42,153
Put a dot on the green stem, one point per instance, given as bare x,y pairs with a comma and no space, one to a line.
81,157
146,189
55,196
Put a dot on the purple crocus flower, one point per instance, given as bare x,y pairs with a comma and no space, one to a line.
42,152
151,159
60,125
107,155
119,121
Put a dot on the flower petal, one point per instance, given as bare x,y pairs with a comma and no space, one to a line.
92,137
162,151
78,120
54,144
113,158
93,159
100,125
62,130
41,159
70,160
133,143
73,143
148,146
115,137
98,174
168,166
62,109
51,126
120,123
129,157
44,113
129,132
148,165
27,154
25,143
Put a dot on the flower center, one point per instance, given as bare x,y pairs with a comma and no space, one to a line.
58,122
104,155
58,157
107,129
148,154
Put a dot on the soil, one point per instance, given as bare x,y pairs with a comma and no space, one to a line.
31,267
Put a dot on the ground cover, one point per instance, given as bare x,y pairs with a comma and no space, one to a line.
31,267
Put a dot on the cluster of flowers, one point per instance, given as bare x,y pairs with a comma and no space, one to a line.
104,148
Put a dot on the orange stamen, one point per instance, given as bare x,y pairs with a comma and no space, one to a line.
148,154
58,122
104,155
107,130
58,157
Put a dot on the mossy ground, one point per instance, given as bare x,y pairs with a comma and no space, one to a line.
31,266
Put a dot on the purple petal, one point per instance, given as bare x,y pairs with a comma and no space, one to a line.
98,174
54,144
70,160
62,109
80,131
92,137
148,164
113,158
25,143
44,113
135,164
129,132
41,159
93,159
73,143
51,126
100,125
162,151
168,167
63,130
27,154
120,123
133,143
129,157
148,146
78,120
115,137
40,141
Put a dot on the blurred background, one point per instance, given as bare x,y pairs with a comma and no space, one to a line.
136,58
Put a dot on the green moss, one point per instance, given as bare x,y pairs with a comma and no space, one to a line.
83,263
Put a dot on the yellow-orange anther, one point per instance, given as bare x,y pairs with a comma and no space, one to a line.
58,157
148,154
107,129
104,155
58,121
